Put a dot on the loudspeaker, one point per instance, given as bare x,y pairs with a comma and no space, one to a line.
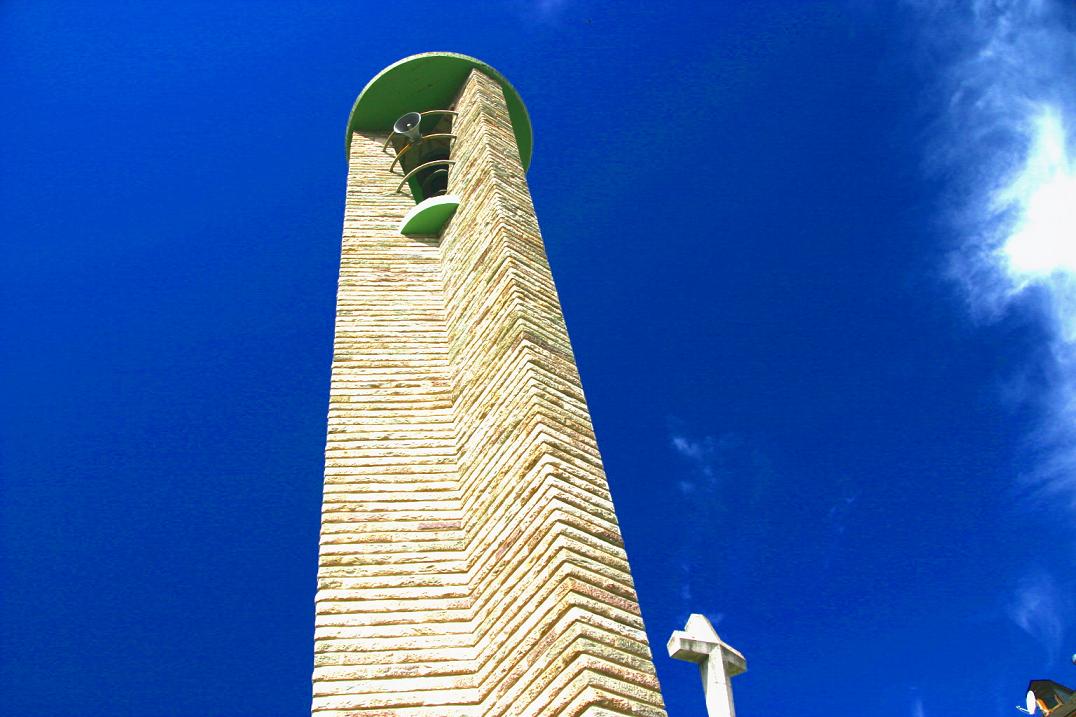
407,126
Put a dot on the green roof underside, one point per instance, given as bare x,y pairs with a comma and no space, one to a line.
427,82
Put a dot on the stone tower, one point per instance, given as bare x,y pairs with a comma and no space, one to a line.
470,562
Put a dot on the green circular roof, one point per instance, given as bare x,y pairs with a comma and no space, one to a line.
426,82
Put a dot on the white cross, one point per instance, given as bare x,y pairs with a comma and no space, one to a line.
718,663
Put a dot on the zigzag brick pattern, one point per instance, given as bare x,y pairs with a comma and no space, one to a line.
471,562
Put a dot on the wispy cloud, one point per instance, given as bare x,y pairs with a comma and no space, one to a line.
720,479
1008,107
1040,609
917,708
549,7
545,11
708,454
705,456
839,511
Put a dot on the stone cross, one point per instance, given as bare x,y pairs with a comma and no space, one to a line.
718,663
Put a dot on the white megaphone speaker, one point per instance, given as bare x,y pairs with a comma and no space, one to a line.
408,126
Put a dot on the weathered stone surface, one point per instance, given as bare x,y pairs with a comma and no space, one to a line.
471,562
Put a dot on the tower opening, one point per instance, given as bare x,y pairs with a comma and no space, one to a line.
423,145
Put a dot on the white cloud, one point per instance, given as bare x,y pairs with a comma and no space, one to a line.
688,448
1041,245
839,511
917,708
703,486
707,454
1009,105
700,454
1039,609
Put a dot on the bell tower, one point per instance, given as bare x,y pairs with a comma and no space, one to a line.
470,563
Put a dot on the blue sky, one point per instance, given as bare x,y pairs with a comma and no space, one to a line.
818,263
